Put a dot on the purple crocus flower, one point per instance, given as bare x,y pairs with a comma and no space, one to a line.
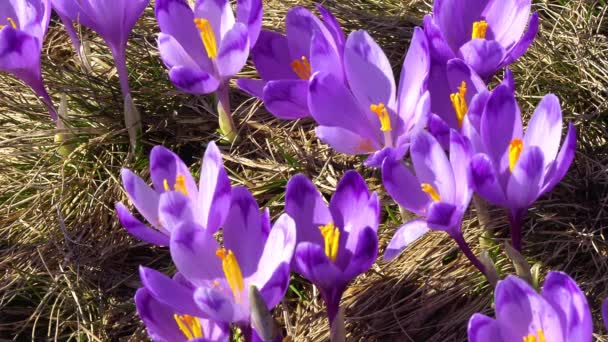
338,242
287,62
516,168
253,254
164,323
23,24
559,313
458,98
605,313
439,191
205,47
486,34
369,115
113,21
208,204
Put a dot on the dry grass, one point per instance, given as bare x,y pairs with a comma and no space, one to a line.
68,270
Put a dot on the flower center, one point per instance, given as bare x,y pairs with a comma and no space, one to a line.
431,191
479,29
302,68
207,35
380,110
180,185
459,102
190,326
232,272
11,21
331,237
540,337
515,148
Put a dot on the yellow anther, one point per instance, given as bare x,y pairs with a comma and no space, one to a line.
540,337
459,102
232,272
331,237
207,35
515,148
382,113
180,185
430,190
302,68
190,326
479,29
11,21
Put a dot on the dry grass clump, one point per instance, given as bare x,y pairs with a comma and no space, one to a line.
68,271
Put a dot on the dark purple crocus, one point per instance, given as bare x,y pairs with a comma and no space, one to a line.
203,48
516,168
287,62
208,204
338,242
559,313
458,99
486,34
113,21
369,115
439,191
165,323
252,254
23,24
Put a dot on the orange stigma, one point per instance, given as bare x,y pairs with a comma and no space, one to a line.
302,68
515,148
190,326
180,185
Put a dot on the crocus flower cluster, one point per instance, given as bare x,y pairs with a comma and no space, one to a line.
23,24
559,313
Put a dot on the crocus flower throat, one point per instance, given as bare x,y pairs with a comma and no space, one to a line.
190,326
331,238
479,29
208,36
11,21
515,149
540,337
180,185
459,102
232,272
302,68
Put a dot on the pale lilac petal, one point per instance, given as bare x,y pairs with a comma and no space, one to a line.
376,159
332,25
516,298
233,51
138,229
571,305
502,112
167,166
271,57
484,180
174,208
345,141
484,56
350,205
324,56
214,189
368,71
471,125
169,291
483,329
193,81
219,13
404,187
364,251
526,178
252,87
243,233
414,76
142,196
249,12
524,43
304,203
173,53
300,26
404,236
287,99
157,317
216,304
455,18
545,127
432,165
331,103
445,217
507,20
460,158
439,129
20,55
440,51
560,167
459,71
192,246
439,88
